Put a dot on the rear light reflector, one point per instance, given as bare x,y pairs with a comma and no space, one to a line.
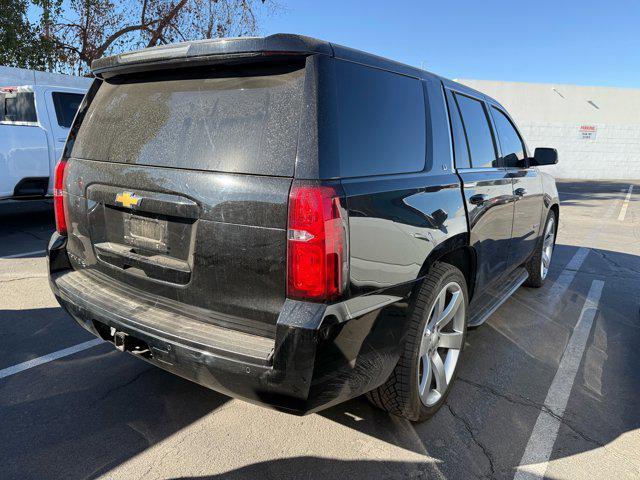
316,243
58,197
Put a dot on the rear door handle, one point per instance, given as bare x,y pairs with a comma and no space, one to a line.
477,199
520,192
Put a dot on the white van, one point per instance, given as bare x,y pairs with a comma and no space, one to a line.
34,124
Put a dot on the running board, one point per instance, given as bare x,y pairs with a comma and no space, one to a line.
483,306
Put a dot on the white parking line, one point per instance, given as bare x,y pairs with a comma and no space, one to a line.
571,269
25,254
623,210
536,456
566,276
49,358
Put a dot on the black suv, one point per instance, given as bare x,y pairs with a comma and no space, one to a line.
295,223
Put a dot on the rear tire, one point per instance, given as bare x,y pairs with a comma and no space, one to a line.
538,264
422,379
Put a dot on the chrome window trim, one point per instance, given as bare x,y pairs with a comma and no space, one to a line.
481,169
443,99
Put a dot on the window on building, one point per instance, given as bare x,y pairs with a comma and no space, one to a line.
479,137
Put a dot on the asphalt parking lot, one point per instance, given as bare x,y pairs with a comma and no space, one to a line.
550,385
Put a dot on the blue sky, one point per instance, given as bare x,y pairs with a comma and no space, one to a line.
565,41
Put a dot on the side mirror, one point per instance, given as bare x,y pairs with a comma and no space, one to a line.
544,156
511,160
440,216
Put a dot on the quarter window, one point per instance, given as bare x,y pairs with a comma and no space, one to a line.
382,121
511,144
479,137
66,106
460,147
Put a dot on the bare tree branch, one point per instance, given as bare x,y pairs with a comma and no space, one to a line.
80,31
113,37
143,13
164,22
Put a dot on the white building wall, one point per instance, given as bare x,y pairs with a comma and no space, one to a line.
551,115
14,77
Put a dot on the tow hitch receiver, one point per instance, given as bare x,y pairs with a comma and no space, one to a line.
119,339
127,343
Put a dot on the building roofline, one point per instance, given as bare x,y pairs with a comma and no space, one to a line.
544,84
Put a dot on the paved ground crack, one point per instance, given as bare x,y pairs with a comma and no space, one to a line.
617,266
121,386
15,279
469,429
31,234
527,402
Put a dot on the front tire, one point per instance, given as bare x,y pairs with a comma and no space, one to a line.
538,264
422,379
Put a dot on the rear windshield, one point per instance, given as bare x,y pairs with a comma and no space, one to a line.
243,121
18,107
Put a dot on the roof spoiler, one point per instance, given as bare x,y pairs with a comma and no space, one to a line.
209,51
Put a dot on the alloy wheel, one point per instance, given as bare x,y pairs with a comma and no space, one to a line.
441,343
547,246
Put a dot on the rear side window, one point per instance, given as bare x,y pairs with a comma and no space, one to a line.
242,120
511,144
66,106
18,107
476,126
460,147
381,121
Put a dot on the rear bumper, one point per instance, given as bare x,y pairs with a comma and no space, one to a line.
321,355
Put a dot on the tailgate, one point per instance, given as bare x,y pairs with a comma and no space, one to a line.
222,247
178,186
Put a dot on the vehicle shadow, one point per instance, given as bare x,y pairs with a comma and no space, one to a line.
310,467
25,227
509,365
85,415
581,193
31,333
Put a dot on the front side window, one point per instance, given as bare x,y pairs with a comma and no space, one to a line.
66,106
510,142
479,137
18,107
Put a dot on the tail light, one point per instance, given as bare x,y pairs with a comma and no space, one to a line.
317,250
58,197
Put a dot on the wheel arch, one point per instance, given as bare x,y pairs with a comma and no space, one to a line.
454,251
555,208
